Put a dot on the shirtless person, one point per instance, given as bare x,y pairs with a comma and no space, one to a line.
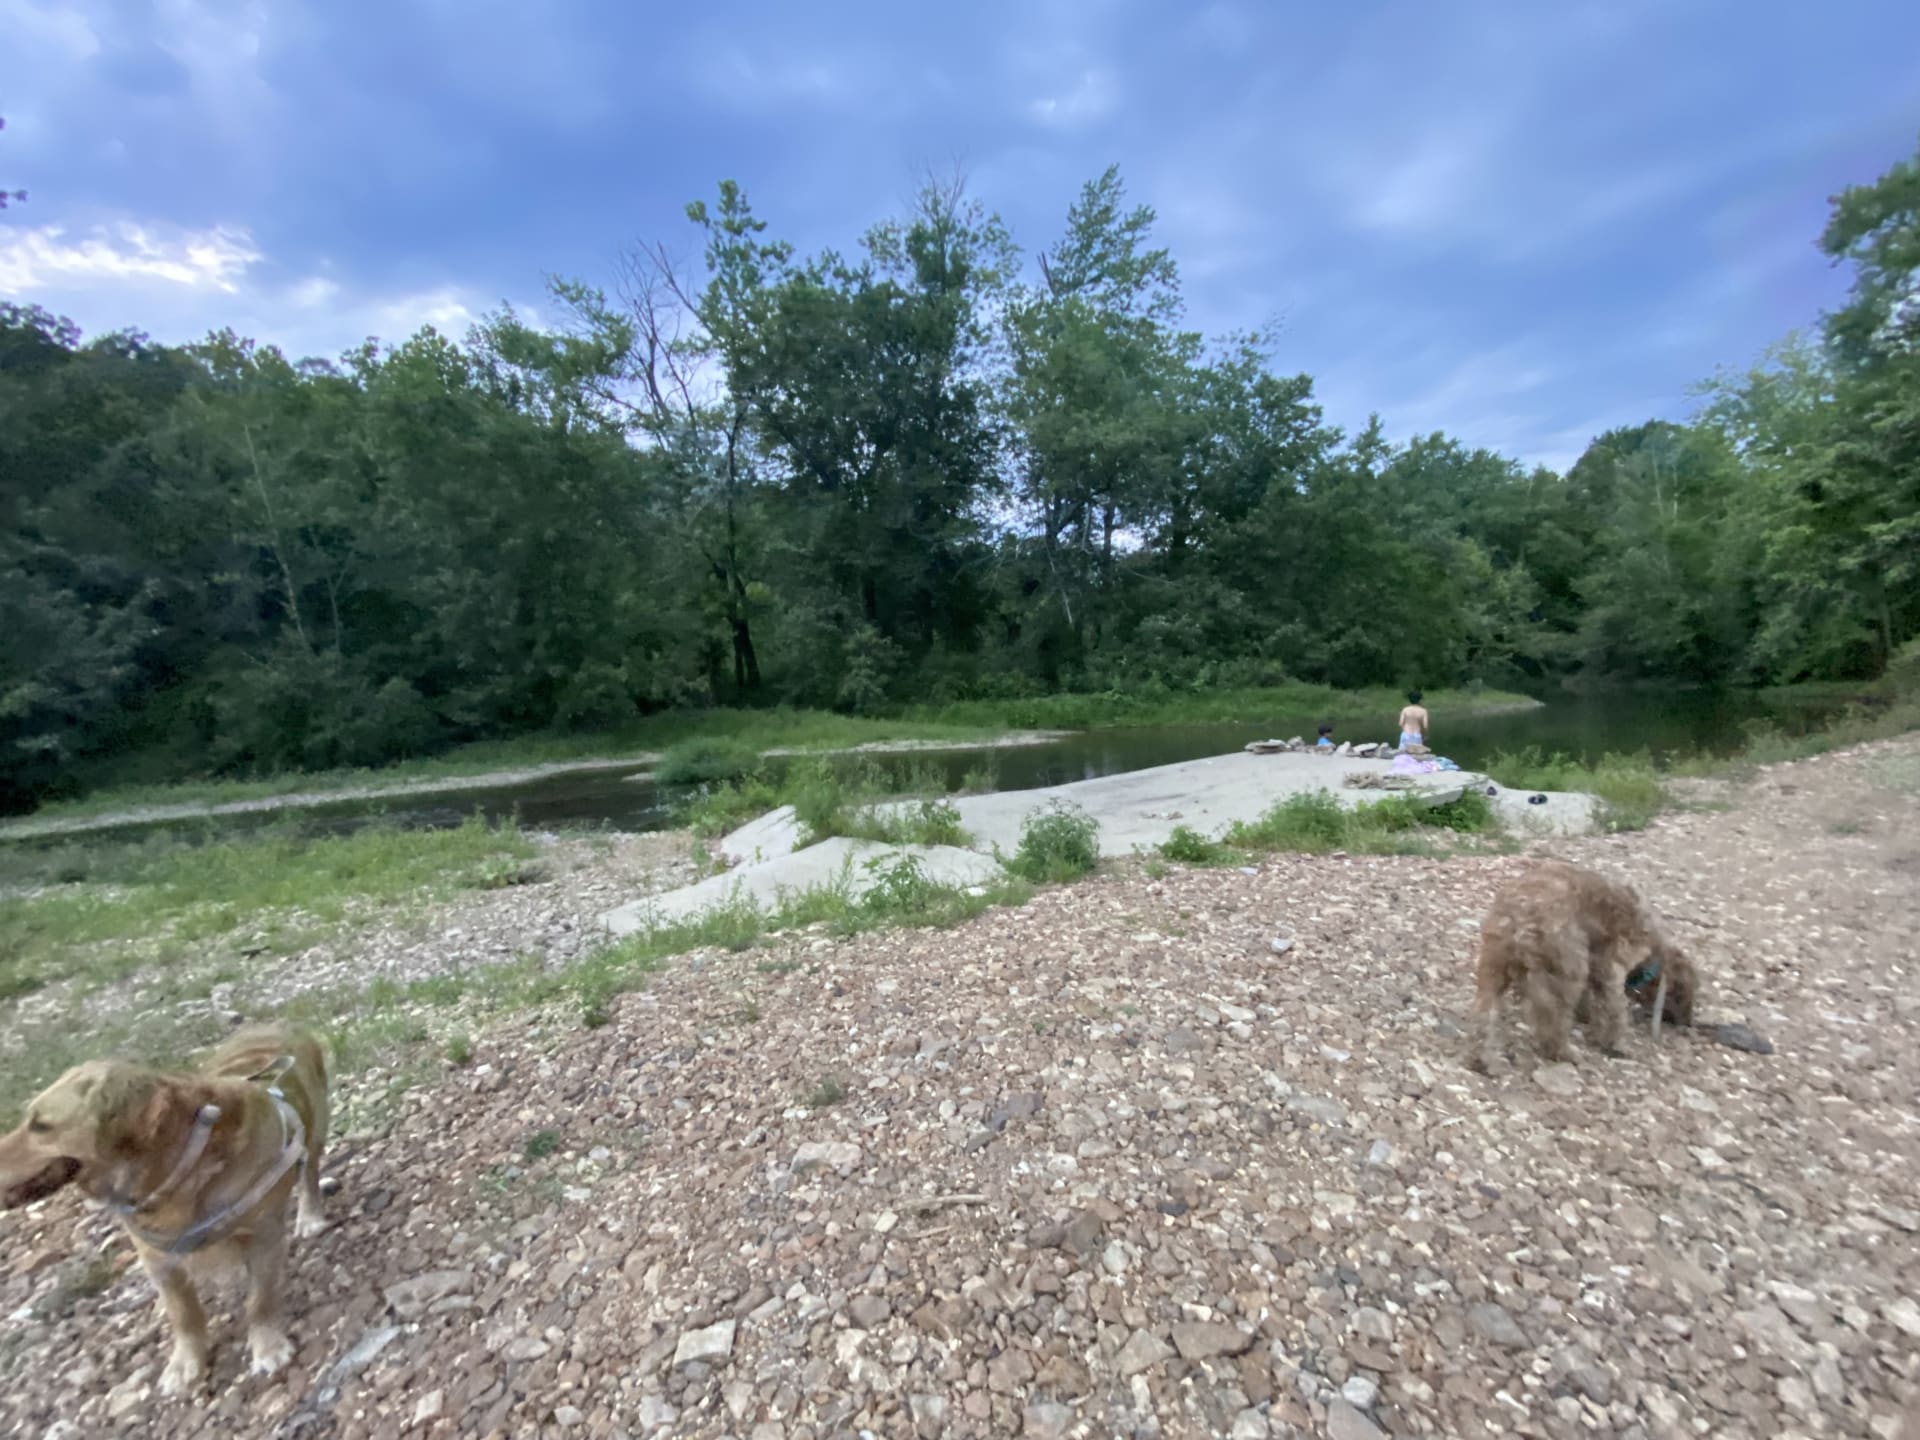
1413,721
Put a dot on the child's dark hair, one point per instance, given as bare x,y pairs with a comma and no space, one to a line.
1413,696
1326,729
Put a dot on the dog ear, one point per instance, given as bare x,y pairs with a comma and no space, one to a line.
136,1111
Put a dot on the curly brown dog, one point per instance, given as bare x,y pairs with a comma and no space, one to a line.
197,1167
1577,942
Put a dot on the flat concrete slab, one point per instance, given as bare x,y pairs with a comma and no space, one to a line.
1140,809
774,834
835,862
1567,812
1135,811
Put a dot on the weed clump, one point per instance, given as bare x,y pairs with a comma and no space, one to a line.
1057,844
706,760
1190,847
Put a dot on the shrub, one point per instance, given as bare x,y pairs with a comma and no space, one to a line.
716,809
929,822
900,887
1311,822
1057,844
819,799
705,760
1190,847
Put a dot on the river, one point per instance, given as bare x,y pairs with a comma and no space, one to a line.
1665,723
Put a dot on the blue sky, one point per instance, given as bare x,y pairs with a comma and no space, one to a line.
1521,223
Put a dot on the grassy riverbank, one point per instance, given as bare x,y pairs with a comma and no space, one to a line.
637,745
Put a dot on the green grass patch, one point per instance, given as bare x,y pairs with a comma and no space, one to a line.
1769,744
103,911
706,759
1316,823
924,822
1627,786
850,795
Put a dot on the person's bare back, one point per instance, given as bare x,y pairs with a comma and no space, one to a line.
1413,720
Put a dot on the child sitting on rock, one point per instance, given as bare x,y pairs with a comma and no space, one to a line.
1325,742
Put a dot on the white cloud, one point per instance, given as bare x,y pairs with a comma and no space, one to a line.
49,258
179,285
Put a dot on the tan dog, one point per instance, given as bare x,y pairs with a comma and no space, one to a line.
193,1165
1575,941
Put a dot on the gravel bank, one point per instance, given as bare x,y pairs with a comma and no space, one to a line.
1192,1156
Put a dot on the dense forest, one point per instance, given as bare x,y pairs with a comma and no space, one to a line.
928,469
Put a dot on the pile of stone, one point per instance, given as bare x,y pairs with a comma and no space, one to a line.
1369,750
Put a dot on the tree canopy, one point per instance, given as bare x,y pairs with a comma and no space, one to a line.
923,470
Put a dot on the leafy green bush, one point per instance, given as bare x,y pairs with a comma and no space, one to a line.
716,809
706,759
1190,847
1057,844
1312,822
900,887
819,799
1471,814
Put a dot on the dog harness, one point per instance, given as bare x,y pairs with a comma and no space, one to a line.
293,1143
1643,976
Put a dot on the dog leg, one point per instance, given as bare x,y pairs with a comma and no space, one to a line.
1659,1005
1607,1025
1483,1027
308,1219
266,1273
187,1367
1549,1012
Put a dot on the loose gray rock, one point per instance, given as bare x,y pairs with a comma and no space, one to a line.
1739,1037
1347,1422
1048,1420
1205,1340
842,1156
709,1346
1318,1107
1495,1324
410,1299
1143,1351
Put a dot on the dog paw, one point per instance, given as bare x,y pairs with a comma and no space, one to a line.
271,1351
308,1226
184,1373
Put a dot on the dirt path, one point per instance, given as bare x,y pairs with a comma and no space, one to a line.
1117,1164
